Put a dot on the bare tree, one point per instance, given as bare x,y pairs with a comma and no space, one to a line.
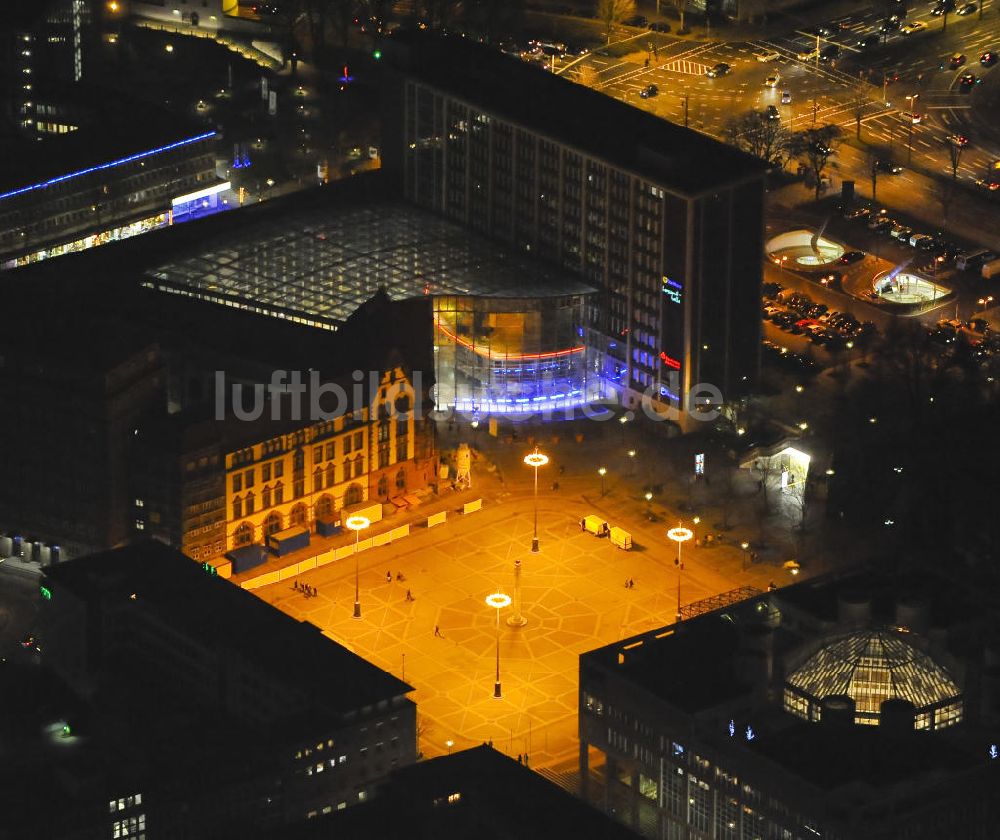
954,156
681,6
586,75
814,147
860,99
755,133
613,12
766,469
727,484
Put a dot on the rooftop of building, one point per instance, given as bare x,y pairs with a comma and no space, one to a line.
695,666
219,615
477,793
113,129
324,253
667,154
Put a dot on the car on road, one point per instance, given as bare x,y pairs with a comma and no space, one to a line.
967,81
850,257
901,232
923,241
857,212
720,69
659,26
772,81
649,91
822,30
913,28
988,59
868,42
967,9
768,55
829,52
880,224
806,55
890,24
959,140
943,6
786,97
771,112
882,165
991,185
956,61
912,117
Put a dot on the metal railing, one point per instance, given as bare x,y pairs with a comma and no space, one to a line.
717,602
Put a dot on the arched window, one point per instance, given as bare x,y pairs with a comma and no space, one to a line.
331,475
279,493
272,524
324,507
354,495
359,467
237,508
248,505
299,515
243,535
401,480
383,485
265,498
317,479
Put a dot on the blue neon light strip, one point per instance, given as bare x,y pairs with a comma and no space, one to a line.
87,171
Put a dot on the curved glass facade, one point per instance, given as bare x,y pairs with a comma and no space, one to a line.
512,355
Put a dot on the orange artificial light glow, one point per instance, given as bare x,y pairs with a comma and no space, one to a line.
515,357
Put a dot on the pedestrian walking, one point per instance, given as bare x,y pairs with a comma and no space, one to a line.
295,585
409,595
520,758
437,631
525,759
388,577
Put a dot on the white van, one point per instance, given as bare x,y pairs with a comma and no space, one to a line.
595,524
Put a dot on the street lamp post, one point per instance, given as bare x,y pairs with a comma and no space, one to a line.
912,100
631,462
602,472
984,302
623,420
536,459
746,553
679,535
498,601
649,504
356,524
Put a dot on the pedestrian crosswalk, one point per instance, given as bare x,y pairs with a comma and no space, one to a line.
689,68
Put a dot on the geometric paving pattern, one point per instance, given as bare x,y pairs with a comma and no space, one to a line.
573,597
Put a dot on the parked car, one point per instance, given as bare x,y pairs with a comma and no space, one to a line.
635,20
857,212
659,26
912,117
850,257
901,232
880,224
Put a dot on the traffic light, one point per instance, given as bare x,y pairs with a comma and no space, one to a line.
377,55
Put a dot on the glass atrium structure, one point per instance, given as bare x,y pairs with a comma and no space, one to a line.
870,667
509,332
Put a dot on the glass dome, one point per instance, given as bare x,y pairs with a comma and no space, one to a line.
870,667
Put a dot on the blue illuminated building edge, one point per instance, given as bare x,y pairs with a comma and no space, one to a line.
42,185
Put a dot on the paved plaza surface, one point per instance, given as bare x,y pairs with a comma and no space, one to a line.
573,592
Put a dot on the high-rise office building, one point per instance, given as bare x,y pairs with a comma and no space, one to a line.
667,223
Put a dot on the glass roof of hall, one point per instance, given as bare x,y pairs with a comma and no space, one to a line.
327,262
853,663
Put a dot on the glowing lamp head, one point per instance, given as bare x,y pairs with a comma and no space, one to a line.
536,459
357,523
602,471
498,600
680,534
649,496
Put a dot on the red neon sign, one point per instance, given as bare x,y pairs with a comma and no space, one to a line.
669,361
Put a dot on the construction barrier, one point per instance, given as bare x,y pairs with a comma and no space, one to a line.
437,519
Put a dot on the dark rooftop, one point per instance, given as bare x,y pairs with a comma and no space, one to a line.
493,798
219,614
831,756
668,154
112,127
